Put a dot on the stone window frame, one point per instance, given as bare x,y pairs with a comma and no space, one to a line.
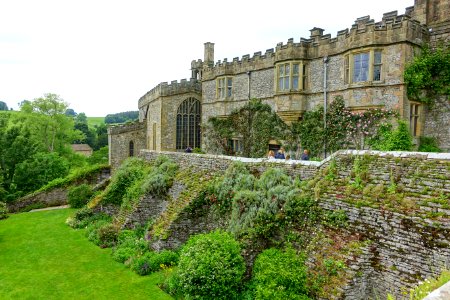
415,118
375,68
224,87
187,126
236,144
301,76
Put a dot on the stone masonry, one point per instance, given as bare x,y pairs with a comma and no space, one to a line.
407,246
224,85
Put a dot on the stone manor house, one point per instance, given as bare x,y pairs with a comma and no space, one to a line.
363,64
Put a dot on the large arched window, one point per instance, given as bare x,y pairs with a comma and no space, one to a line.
188,124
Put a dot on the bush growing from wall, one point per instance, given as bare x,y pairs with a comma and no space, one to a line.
390,139
210,267
131,170
279,274
78,196
428,144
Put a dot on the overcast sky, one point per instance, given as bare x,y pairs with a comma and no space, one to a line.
101,56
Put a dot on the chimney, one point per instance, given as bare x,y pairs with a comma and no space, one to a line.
209,53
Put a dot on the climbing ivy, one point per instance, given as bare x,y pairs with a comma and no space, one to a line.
428,75
254,123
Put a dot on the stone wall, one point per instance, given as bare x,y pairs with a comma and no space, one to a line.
410,240
56,196
437,120
119,138
219,163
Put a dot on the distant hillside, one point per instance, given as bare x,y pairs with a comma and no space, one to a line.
121,117
95,121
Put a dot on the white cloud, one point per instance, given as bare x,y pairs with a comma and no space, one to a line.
102,56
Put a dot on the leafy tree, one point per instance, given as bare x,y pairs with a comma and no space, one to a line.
48,122
81,118
428,75
101,156
70,112
16,145
255,123
40,169
3,106
102,136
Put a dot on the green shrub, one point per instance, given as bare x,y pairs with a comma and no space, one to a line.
389,139
132,169
123,254
428,144
3,210
153,261
79,196
107,235
129,245
279,275
86,216
210,267
102,233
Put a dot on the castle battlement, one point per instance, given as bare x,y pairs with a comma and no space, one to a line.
365,32
127,127
166,89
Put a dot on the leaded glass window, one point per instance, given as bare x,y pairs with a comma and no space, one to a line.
360,67
188,124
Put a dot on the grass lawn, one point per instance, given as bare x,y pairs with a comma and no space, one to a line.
43,258
95,121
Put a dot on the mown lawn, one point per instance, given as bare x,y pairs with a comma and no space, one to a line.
43,258
95,121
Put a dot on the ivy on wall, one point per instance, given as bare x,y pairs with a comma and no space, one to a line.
428,75
255,124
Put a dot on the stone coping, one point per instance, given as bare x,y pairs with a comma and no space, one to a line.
399,154
442,293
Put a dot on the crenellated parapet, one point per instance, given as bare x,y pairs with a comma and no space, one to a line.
244,64
365,32
127,127
174,88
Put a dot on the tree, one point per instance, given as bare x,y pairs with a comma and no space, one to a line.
3,106
16,145
38,170
48,122
102,136
70,112
122,117
254,123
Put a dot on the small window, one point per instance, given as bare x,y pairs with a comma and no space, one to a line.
224,87
236,145
377,66
229,86
131,149
414,114
346,69
295,73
